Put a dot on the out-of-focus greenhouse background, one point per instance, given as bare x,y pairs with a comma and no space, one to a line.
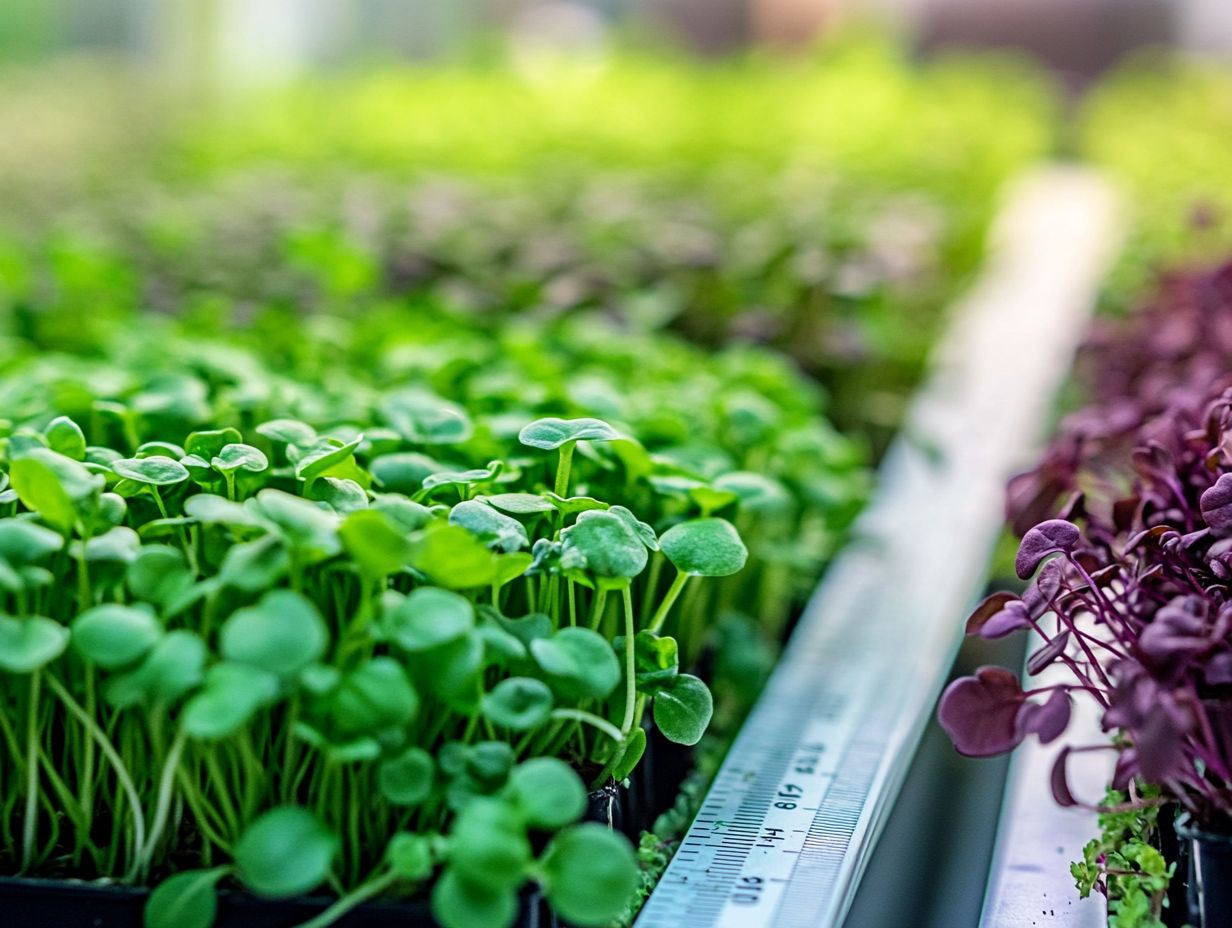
242,41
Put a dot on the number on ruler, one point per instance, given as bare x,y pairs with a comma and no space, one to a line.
748,890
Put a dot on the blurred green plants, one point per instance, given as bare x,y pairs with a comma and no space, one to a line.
1162,126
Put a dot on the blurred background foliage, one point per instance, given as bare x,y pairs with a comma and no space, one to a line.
807,180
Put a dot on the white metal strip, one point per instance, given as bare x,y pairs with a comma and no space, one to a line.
1029,883
787,829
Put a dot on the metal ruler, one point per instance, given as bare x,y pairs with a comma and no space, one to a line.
792,817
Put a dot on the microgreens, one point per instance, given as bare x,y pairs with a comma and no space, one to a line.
235,654
1126,540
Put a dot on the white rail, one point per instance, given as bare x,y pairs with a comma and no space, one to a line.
788,827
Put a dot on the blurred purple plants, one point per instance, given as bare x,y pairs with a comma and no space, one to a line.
1126,529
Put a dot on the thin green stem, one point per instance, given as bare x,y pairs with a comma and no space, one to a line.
596,612
359,895
29,830
162,808
189,553
630,668
588,718
563,467
113,756
84,595
665,606
87,753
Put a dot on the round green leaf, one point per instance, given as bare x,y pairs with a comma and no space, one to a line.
488,845
53,486
425,419
374,542
285,852
288,432
173,667
411,855
548,793
489,762
589,875
200,470
376,696
113,635
520,504
756,492
235,457
303,524
217,510
406,780
656,660
551,433
452,557
65,437
640,528
283,633
120,544
155,448
109,511
683,710
430,617
452,671
339,493
255,565
705,547
506,567
403,471
24,542
159,574
461,903
578,662
495,529
464,478
518,703
232,694
30,643
207,444
153,471
407,515
185,900
603,544
330,453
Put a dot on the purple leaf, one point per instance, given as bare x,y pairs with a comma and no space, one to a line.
1010,619
980,713
1047,720
1219,669
1059,782
1126,769
1040,593
1047,654
1156,721
1051,537
997,616
1216,505
1178,631
1158,740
